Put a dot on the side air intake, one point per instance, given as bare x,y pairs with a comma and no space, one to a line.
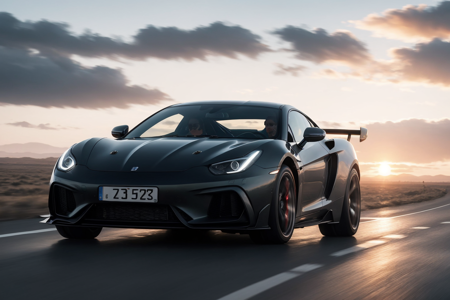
225,205
331,177
63,200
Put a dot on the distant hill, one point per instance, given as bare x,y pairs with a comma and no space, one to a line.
409,178
33,150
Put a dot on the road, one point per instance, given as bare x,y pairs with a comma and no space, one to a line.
398,253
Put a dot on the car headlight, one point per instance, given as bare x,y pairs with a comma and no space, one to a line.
235,165
66,161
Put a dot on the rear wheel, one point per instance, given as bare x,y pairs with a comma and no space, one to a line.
282,211
79,232
351,210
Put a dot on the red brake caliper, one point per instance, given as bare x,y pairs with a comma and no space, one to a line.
286,213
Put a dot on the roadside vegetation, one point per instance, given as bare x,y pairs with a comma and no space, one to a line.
379,194
24,189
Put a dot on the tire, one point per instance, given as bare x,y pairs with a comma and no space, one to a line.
282,211
82,233
351,210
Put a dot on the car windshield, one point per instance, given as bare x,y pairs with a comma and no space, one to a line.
211,120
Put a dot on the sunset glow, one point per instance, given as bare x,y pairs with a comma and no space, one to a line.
384,169
388,62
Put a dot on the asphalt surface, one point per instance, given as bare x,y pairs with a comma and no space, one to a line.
398,253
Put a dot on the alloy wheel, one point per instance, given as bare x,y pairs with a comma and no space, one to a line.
286,204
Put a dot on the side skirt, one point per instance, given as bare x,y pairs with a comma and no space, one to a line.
327,218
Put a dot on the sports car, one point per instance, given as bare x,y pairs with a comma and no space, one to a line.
254,168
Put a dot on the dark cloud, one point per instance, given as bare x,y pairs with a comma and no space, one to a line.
289,70
318,46
426,62
217,39
410,22
55,81
29,125
414,141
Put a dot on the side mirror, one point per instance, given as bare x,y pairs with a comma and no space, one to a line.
119,131
312,134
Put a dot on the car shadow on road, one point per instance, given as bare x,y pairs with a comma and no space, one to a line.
205,244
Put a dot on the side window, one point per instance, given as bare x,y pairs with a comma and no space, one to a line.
298,124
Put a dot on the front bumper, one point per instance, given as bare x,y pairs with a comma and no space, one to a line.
193,199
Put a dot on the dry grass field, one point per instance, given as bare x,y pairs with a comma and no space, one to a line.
24,189
379,194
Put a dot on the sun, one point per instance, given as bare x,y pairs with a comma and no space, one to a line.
384,169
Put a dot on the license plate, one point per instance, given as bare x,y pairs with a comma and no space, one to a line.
128,194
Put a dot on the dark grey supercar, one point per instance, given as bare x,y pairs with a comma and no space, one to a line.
240,167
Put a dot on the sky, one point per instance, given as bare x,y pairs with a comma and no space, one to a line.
74,70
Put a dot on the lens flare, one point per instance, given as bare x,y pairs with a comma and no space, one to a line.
384,169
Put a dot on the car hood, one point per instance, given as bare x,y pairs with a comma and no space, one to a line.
165,154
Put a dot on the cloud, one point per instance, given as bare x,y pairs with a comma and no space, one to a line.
55,81
45,126
318,46
170,123
426,62
289,70
327,124
415,141
216,39
373,169
24,124
434,168
410,23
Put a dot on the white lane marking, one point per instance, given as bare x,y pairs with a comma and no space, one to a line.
26,232
417,212
269,283
357,248
305,268
420,228
266,284
394,236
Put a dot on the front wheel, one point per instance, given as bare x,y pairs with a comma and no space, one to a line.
282,211
351,210
79,232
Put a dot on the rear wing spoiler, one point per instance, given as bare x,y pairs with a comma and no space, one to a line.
362,132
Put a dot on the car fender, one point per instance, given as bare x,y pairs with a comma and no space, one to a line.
82,150
347,160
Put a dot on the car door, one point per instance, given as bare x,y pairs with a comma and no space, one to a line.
312,162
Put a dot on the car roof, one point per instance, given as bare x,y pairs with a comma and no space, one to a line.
231,102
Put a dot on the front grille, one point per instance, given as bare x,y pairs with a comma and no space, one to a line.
63,200
120,211
225,205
